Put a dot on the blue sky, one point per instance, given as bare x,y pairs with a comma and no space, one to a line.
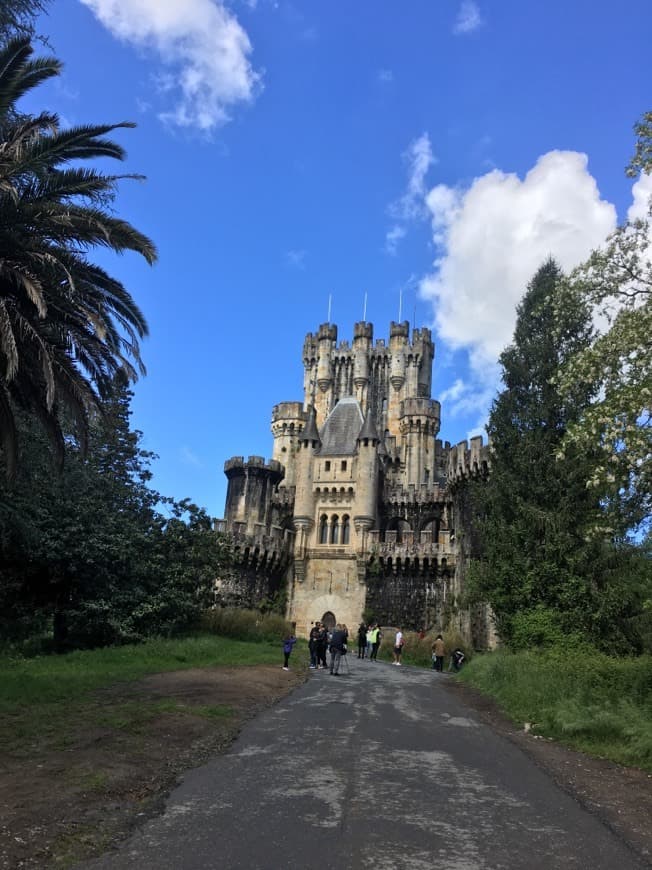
294,150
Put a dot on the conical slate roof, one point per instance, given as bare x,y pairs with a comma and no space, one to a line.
310,433
368,430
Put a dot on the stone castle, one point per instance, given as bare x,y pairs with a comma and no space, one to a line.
362,509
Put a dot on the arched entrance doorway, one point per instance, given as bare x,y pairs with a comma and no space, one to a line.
328,619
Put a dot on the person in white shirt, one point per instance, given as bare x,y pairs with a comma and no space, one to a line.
398,647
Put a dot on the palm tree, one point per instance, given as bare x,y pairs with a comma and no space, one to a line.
68,329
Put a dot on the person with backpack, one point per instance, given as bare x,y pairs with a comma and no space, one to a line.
288,645
337,649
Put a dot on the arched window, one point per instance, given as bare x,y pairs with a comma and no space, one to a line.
323,529
335,529
346,530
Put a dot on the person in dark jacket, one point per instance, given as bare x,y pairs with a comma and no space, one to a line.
312,644
322,645
362,640
337,648
288,645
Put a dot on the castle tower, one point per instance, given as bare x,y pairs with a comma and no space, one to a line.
363,334
250,490
304,504
288,420
326,338
419,423
367,481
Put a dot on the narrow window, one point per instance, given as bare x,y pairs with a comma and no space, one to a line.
323,530
327,465
346,530
335,529
344,465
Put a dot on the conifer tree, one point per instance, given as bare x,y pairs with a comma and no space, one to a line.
543,573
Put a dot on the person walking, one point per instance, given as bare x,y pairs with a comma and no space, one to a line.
438,653
398,647
362,640
288,645
337,648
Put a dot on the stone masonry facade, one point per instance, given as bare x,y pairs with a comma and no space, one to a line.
361,510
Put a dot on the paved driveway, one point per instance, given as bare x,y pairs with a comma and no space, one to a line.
380,768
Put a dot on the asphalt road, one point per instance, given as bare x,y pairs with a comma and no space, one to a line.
380,768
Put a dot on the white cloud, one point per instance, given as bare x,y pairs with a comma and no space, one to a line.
492,238
203,50
641,193
468,18
419,158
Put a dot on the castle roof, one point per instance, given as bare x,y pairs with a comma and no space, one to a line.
369,430
340,432
310,433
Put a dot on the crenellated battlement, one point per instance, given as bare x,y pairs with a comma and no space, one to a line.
399,330
429,408
237,465
468,460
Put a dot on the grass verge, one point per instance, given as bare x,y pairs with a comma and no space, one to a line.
39,696
581,697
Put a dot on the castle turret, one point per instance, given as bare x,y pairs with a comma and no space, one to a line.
363,334
250,489
398,339
423,356
288,419
304,504
327,336
419,419
367,486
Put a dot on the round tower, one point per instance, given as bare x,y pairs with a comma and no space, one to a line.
398,340
304,501
363,334
366,497
326,336
288,420
419,422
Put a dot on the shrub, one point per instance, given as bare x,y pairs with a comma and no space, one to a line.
245,624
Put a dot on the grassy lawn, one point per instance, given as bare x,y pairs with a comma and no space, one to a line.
583,698
39,697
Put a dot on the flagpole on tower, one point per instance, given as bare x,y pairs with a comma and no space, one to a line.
400,304
364,311
330,299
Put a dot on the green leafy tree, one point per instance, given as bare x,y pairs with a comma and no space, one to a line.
616,282
67,328
93,555
539,561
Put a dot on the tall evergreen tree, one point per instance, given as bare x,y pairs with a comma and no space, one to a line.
541,565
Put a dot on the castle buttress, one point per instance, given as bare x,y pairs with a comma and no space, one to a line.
358,510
